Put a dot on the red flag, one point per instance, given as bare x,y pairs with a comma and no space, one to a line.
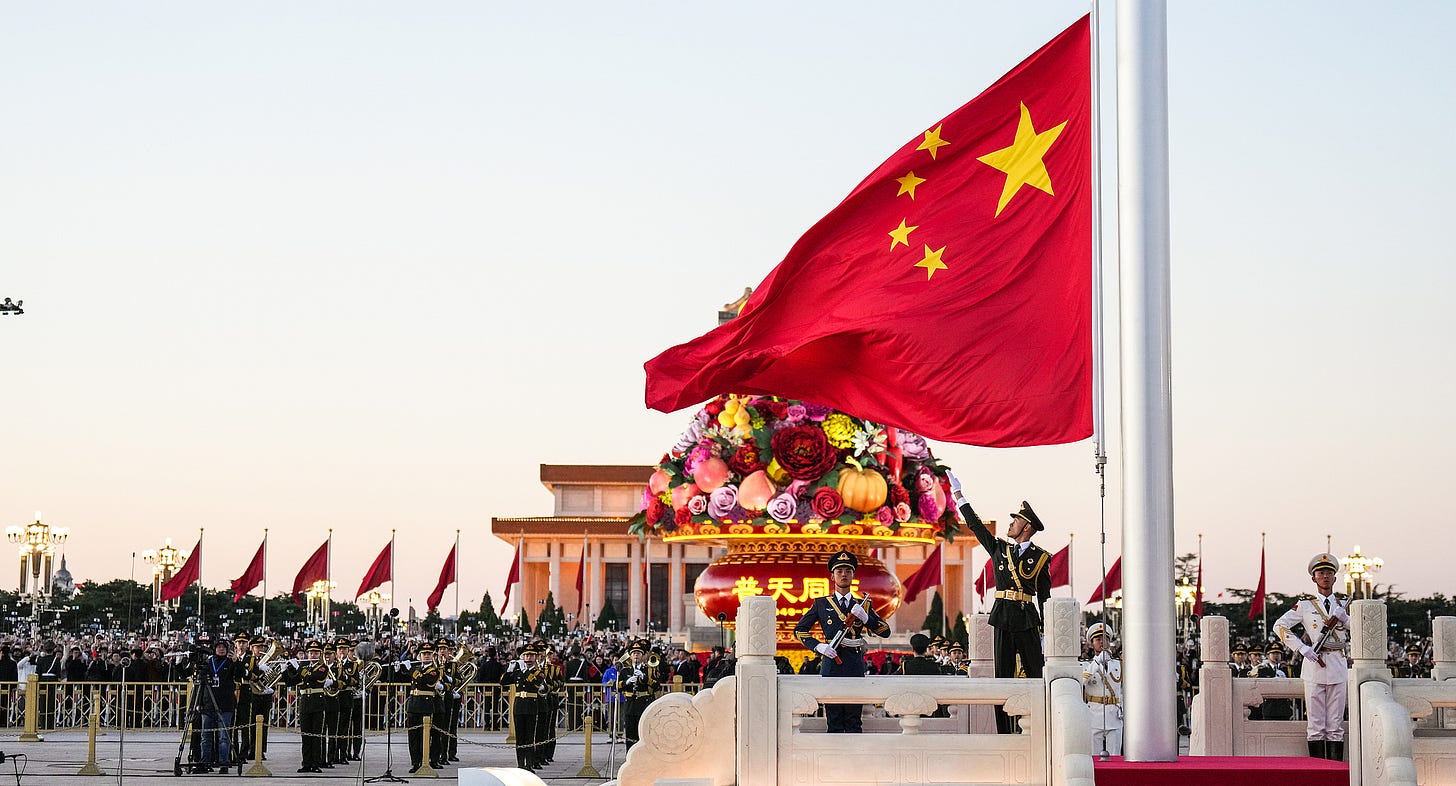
1061,567
315,569
190,571
1198,596
581,578
925,577
447,577
379,572
1256,606
512,578
253,576
1113,582
957,275
987,579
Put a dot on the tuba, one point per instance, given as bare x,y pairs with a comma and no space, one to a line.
465,665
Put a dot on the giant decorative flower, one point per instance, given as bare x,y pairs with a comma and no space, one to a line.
782,508
827,503
746,461
839,428
722,502
804,452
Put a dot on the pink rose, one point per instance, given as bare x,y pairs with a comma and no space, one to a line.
782,508
698,505
924,481
885,516
929,508
902,511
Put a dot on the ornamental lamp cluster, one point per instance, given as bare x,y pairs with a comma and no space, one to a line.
1358,568
36,543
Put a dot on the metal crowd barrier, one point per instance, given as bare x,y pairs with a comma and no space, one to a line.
161,705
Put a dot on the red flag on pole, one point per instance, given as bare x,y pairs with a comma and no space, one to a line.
924,577
251,577
190,571
987,579
1060,567
962,265
1198,592
581,577
1256,607
379,572
315,569
514,577
447,577
1113,582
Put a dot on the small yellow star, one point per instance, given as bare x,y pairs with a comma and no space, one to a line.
1022,161
901,235
932,262
932,142
908,184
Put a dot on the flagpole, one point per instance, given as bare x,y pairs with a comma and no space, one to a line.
456,567
328,576
200,530
265,582
391,574
1149,666
1264,610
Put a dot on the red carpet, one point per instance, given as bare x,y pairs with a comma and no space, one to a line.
1220,770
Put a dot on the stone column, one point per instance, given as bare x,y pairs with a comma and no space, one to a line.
597,581
1367,664
554,581
1444,640
632,618
981,659
1212,718
757,678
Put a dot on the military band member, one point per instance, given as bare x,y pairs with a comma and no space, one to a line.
1239,661
1023,585
1412,667
551,713
422,701
311,677
841,611
254,699
1102,688
530,682
920,663
637,683
1325,669
957,660
1273,665
347,673
445,710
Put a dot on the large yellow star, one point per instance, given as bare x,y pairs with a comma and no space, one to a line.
901,235
908,184
932,262
932,142
1022,161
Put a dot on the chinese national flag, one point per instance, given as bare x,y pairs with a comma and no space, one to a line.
1112,582
1060,567
925,577
956,279
514,577
1198,598
447,577
190,571
379,572
987,579
251,577
1256,606
315,569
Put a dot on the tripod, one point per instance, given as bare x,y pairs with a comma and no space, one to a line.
194,708
388,776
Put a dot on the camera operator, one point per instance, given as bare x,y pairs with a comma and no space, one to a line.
217,678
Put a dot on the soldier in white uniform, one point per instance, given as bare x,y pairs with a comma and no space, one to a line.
1325,668
1102,689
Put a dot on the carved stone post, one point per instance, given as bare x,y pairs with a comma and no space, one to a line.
758,693
982,640
1213,708
1367,664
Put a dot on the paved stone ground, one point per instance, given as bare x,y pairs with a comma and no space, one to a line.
150,755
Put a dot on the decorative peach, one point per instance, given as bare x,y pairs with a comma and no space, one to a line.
682,494
710,474
755,491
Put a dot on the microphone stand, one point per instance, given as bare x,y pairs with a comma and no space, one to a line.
388,776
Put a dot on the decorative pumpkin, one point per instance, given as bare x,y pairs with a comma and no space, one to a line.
755,491
862,489
710,474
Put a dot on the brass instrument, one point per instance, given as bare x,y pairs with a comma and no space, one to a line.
332,690
272,671
654,660
369,673
465,665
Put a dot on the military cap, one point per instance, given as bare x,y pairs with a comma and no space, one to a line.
955,646
1414,649
258,640
938,641
1239,650
1274,647
638,646
242,637
919,641
314,646
843,558
426,649
1324,560
442,642
1029,516
1096,630
343,644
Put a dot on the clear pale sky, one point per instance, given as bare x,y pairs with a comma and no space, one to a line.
366,266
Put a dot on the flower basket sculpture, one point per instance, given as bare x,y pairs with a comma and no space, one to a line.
784,484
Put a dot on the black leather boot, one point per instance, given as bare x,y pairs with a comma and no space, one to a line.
1316,749
1336,750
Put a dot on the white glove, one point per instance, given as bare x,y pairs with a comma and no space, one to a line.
630,681
457,694
439,686
268,692
858,610
827,651
1339,614
293,662
955,482
1308,652
358,694
329,682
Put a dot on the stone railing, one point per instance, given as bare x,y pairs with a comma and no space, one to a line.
683,739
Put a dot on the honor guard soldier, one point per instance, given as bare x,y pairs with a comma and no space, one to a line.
637,683
1238,665
1023,585
550,717
254,698
530,681
1325,669
843,620
422,701
345,701
1102,688
1412,667
312,675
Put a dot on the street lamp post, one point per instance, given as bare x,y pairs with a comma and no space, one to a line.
165,563
1358,568
37,544
317,604
375,602
1183,595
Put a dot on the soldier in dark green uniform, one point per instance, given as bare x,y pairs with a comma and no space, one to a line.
550,716
920,663
1023,585
637,683
344,701
530,681
424,677
444,705
310,679
1412,667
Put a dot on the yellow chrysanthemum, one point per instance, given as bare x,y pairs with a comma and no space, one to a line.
840,429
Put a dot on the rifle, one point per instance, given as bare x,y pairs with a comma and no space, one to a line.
839,637
1329,631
